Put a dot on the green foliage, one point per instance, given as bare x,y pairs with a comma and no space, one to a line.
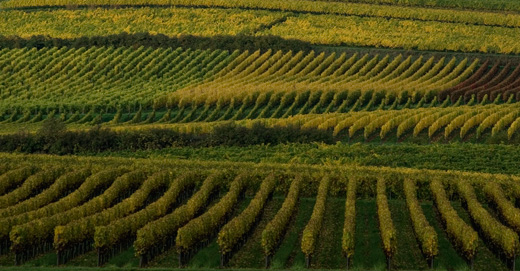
112,208
462,235
231,234
273,233
313,227
507,210
205,225
77,231
66,182
115,232
505,239
349,226
94,183
34,232
32,185
15,177
155,233
386,225
425,233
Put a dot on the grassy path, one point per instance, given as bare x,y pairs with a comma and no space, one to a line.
251,254
289,253
170,257
87,259
329,255
368,253
209,256
485,259
448,257
409,255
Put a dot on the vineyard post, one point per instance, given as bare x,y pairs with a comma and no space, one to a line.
348,263
431,262
307,261
180,259
389,262
141,261
267,261
98,257
222,260
513,267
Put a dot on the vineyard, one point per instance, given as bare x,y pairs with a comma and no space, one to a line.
425,30
437,124
345,93
163,79
248,135
174,209
474,14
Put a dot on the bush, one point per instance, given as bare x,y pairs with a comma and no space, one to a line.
53,138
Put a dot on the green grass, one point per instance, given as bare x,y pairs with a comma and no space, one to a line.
251,253
329,254
368,254
209,256
409,255
489,158
485,259
124,259
167,259
289,254
7,260
88,259
48,259
448,258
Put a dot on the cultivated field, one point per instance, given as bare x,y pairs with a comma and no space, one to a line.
246,134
